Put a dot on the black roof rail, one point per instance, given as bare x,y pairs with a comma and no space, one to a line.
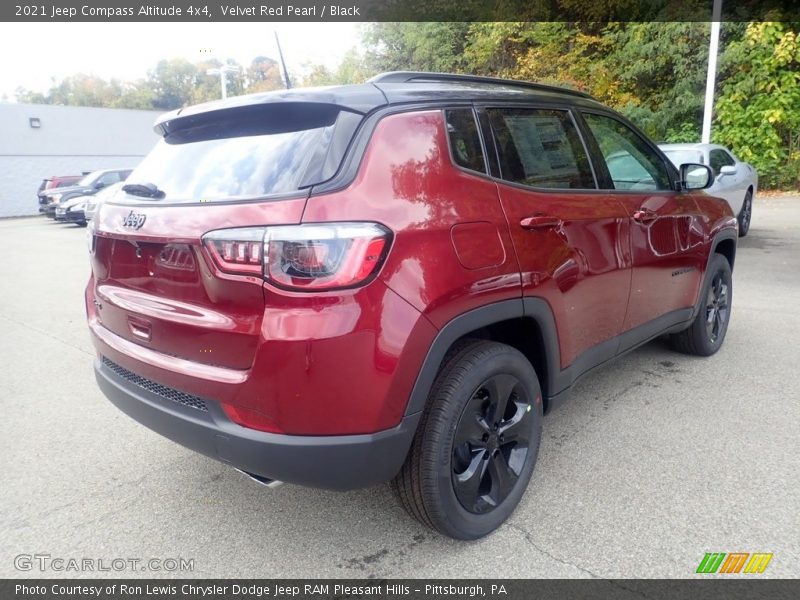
412,76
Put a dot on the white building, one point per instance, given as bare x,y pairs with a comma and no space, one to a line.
40,140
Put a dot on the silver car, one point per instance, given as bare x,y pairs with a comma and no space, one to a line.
93,202
734,180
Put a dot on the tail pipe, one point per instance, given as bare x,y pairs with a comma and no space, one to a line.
265,481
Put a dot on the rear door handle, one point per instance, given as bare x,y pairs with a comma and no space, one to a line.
645,215
540,222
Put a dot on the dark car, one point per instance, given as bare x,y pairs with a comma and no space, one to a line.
394,281
88,185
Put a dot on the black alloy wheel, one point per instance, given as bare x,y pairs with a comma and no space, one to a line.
717,307
706,333
491,443
476,444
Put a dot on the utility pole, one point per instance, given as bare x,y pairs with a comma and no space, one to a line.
283,63
223,82
711,76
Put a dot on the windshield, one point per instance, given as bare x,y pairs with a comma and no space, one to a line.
218,169
681,157
89,179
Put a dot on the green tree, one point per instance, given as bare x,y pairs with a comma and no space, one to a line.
416,46
660,72
173,82
758,110
353,68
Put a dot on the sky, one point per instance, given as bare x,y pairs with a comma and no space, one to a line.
34,53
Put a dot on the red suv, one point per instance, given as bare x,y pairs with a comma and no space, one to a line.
394,281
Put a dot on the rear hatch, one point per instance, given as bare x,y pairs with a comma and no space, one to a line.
155,283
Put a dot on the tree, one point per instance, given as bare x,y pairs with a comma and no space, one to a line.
90,90
352,69
263,75
172,82
416,46
758,111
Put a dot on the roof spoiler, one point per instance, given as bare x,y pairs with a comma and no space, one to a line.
251,119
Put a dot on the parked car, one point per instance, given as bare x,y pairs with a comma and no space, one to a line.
734,181
80,209
394,281
88,185
72,211
52,183
93,202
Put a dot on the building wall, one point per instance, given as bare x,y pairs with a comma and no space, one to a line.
69,141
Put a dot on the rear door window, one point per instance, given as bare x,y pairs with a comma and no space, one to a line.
540,148
465,142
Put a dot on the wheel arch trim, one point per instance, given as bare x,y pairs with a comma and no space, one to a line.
729,233
536,309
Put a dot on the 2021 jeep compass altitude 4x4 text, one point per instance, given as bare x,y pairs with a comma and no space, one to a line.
394,281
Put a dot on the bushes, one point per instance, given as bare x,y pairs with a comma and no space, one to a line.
758,109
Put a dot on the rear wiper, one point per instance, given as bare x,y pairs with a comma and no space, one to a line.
148,190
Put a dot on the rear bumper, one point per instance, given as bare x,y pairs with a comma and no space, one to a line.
333,462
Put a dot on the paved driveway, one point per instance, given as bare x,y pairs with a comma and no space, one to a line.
656,460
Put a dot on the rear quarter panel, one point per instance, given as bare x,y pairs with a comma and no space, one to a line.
407,182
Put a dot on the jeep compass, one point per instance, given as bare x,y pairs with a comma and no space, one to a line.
395,281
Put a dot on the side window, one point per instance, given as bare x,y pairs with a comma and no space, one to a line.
719,158
540,148
465,142
632,164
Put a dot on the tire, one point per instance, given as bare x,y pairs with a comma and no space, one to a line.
745,214
707,332
465,474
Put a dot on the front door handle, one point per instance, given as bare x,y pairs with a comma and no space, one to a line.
540,222
645,215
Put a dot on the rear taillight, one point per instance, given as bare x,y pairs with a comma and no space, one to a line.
91,238
237,250
310,257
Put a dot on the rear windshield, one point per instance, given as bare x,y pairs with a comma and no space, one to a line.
229,158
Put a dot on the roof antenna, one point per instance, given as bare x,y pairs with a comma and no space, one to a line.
283,63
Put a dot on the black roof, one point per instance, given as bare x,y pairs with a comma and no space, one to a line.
418,77
388,88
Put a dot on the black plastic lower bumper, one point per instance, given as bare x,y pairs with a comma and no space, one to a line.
341,462
75,216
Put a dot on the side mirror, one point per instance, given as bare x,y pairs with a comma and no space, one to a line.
99,185
696,177
728,170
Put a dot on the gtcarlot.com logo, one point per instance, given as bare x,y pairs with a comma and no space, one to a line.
734,562
47,562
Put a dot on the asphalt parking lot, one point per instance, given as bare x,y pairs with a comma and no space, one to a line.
655,460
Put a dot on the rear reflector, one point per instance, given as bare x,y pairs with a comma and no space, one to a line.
252,419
